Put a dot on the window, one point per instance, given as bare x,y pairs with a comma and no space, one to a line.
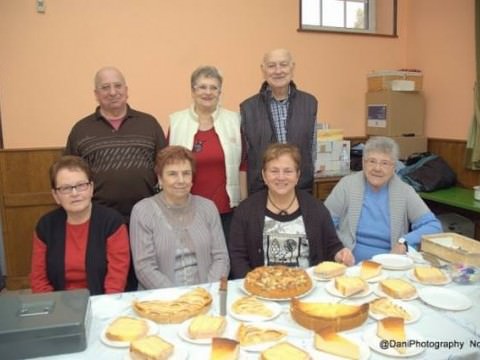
370,17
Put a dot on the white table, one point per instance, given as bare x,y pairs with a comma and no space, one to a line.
434,324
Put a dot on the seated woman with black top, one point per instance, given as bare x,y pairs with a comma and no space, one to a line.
282,225
80,244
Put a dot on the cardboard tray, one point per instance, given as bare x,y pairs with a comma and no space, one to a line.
452,247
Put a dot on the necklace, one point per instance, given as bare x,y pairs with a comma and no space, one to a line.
281,211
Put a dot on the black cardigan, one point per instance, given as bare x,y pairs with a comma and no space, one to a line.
246,232
51,230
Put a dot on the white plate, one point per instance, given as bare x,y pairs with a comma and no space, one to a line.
274,307
179,353
364,350
355,271
317,277
152,330
183,333
414,311
371,338
411,276
264,346
445,298
380,293
242,287
330,287
394,261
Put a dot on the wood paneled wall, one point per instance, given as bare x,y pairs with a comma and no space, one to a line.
25,196
453,152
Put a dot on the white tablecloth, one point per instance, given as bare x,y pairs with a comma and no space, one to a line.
434,324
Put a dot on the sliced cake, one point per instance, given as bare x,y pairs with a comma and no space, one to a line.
385,306
393,328
350,285
370,269
327,340
224,349
429,275
252,335
329,269
126,328
251,305
206,326
150,348
398,288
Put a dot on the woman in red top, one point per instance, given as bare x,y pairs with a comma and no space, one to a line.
79,244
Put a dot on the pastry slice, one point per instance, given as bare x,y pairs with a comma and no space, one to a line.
398,288
206,326
224,349
250,305
385,306
327,340
329,269
393,328
429,275
350,285
126,328
251,335
370,269
150,348
284,351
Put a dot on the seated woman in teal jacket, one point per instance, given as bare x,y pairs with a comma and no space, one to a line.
374,211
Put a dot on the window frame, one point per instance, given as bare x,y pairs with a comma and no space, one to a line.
350,31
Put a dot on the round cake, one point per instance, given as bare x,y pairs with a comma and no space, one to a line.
317,316
277,282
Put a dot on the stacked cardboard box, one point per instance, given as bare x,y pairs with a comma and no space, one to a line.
330,144
399,115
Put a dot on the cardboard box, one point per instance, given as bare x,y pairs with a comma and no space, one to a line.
329,134
382,80
410,144
328,155
395,113
452,247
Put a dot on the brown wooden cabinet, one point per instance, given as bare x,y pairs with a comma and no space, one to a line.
324,185
25,197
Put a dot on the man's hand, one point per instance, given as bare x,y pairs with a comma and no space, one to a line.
345,256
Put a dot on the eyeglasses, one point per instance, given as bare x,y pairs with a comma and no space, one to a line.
68,189
205,88
382,163
107,87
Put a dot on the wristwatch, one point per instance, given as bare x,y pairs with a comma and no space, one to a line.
403,242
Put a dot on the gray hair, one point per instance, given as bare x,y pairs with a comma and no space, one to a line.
382,145
98,75
205,71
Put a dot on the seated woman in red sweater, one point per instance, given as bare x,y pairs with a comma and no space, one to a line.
79,244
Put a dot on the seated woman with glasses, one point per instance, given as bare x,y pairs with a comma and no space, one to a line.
282,225
79,244
374,211
213,134
177,237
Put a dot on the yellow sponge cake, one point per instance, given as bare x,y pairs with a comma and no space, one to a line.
385,306
398,288
327,340
393,328
224,349
350,285
429,275
206,326
370,269
150,348
126,328
329,269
